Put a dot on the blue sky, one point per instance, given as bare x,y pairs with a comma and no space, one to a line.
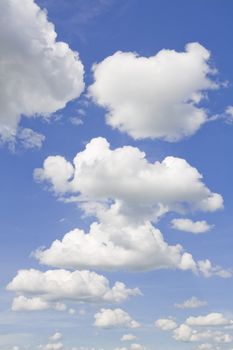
48,116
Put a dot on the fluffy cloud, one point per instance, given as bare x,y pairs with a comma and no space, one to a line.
124,237
136,346
206,268
114,318
40,290
39,75
188,225
109,248
185,333
154,97
191,303
52,346
128,337
212,319
145,190
166,324
56,336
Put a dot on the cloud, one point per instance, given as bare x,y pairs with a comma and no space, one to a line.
123,236
109,248
52,346
188,225
154,97
185,333
114,318
128,337
56,336
206,268
39,75
166,324
191,303
145,188
136,346
212,319
38,290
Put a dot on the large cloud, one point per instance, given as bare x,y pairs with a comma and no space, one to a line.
39,75
126,193
155,97
39,290
114,248
124,176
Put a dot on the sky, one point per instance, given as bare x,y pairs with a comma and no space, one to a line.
116,178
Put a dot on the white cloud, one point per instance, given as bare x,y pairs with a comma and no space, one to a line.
114,248
212,319
53,346
136,346
29,138
40,290
166,324
146,189
206,268
154,97
191,303
188,225
39,75
114,318
22,303
56,336
185,333
128,337
123,237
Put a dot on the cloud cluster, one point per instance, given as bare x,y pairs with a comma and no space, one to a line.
39,74
154,97
124,238
208,328
42,290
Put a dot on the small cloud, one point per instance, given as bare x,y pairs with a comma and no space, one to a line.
191,303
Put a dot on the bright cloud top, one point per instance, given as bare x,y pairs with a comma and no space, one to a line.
39,75
154,97
145,189
114,318
41,290
188,225
210,327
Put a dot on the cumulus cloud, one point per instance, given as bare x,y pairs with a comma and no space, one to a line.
208,270
185,333
188,225
114,318
166,324
128,337
212,319
39,74
52,346
123,236
56,336
40,290
154,97
145,190
191,303
109,248
136,346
